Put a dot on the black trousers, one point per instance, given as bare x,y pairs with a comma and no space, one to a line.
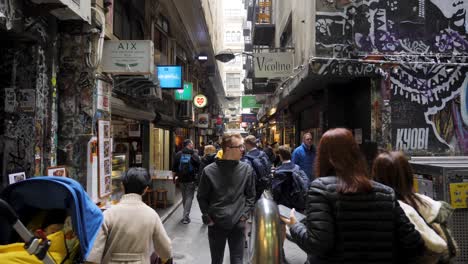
217,237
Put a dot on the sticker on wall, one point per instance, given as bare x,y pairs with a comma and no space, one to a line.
200,101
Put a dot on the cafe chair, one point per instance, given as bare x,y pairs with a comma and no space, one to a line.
160,197
148,197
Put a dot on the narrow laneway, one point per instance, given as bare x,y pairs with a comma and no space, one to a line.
190,242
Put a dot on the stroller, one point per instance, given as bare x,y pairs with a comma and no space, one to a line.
52,200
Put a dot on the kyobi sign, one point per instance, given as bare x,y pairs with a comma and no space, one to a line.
273,65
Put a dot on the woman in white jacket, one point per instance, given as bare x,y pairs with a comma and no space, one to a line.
428,216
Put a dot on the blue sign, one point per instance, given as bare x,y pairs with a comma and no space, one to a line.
170,77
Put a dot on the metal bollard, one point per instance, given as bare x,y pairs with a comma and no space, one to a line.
266,234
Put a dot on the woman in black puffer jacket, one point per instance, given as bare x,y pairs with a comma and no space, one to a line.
350,218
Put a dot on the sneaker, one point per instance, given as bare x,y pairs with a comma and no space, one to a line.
186,221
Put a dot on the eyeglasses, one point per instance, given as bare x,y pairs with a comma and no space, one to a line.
241,147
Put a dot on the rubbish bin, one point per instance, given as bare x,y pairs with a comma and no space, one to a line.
446,178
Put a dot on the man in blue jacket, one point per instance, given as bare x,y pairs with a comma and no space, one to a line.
304,155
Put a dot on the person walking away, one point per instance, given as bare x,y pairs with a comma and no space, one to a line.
120,238
185,169
350,218
290,183
269,152
260,163
226,196
201,149
429,217
208,158
304,155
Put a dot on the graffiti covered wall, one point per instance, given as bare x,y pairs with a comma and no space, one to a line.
75,87
25,97
428,100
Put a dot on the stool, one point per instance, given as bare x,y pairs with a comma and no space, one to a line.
160,197
148,195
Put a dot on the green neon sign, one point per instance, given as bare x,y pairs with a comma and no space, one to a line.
185,94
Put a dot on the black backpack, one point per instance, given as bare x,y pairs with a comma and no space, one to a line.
262,168
288,189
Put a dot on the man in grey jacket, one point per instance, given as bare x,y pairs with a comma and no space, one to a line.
226,195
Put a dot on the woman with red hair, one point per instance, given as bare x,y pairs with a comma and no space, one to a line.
350,218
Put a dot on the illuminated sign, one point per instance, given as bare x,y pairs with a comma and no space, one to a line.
200,101
170,77
185,94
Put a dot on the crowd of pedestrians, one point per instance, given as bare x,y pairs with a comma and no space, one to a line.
352,216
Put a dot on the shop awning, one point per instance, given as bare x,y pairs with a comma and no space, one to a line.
167,121
120,108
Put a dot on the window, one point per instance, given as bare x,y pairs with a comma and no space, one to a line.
227,36
163,23
127,22
160,41
232,81
232,12
232,36
237,61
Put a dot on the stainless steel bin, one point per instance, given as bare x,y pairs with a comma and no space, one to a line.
440,172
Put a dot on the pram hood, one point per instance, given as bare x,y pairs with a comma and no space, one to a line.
59,193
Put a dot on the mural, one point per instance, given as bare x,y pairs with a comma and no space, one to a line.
416,38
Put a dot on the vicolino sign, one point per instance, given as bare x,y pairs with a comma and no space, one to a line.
273,65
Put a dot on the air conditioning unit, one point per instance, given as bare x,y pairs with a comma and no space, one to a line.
72,10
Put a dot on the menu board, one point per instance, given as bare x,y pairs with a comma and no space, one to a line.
105,158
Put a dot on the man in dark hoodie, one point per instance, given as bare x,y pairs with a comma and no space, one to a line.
185,168
226,195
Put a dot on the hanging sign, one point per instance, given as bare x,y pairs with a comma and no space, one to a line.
200,101
250,101
203,120
273,65
184,94
128,57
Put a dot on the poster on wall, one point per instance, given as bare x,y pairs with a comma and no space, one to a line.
10,100
134,130
203,120
105,159
26,100
103,96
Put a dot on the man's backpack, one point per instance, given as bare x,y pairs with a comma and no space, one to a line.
289,188
185,164
262,168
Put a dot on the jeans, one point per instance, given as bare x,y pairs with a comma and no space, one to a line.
217,237
188,191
